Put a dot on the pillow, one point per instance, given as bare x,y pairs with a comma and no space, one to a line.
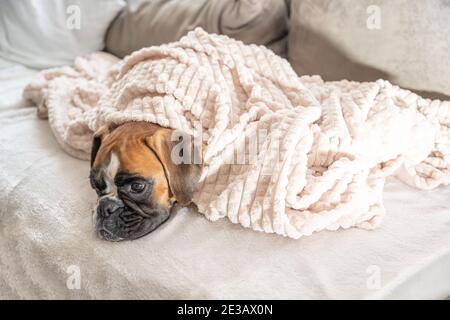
49,33
405,42
154,22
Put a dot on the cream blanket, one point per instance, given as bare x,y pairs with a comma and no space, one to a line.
284,154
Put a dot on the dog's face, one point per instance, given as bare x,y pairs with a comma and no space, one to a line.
136,180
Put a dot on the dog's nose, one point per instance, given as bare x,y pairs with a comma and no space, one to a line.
108,206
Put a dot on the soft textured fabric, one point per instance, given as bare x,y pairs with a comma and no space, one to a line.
154,22
49,33
328,145
46,231
340,39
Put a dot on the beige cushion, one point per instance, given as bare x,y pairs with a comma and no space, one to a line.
411,49
147,23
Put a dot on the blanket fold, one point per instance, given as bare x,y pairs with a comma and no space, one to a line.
284,154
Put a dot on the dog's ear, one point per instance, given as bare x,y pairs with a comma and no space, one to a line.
180,159
98,138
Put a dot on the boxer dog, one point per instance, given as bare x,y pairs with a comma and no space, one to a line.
136,180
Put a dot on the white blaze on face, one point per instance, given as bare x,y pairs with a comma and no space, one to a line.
109,173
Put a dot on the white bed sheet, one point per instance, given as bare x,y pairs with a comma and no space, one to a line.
45,228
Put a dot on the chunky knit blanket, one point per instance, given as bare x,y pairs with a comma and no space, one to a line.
283,154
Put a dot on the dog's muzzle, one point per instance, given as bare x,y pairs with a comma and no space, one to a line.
115,221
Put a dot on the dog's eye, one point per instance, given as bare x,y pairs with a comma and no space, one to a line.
137,187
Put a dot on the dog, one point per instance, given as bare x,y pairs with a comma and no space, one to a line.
136,179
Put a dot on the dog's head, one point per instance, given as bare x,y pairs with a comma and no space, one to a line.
138,177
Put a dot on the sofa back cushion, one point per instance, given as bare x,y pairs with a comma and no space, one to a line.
154,22
404,41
